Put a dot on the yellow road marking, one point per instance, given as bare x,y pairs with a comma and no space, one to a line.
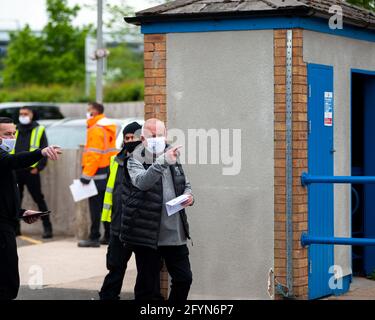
31,240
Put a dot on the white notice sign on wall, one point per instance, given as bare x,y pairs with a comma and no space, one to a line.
328,109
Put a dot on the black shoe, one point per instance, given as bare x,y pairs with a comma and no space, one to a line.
107,296
104,241
89,244
47,234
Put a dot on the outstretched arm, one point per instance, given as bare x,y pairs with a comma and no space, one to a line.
26,159
144,179
20,160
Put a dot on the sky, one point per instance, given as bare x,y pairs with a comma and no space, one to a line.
14,14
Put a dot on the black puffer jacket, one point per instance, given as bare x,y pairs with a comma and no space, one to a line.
141,210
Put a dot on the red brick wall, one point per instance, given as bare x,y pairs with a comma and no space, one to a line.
155,76
300,126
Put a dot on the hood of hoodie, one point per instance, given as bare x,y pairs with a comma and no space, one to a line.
92,121
27,127
120,157
102,121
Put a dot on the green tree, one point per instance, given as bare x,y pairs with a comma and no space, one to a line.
368,4
56,56
124,64
114,21
64,44
24,62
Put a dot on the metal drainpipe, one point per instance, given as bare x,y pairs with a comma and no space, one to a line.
289,162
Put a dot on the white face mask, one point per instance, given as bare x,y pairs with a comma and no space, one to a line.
156,145
24,119
8,144
88,115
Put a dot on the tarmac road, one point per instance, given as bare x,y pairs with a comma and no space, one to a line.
57,269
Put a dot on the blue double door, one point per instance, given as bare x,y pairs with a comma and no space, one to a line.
320,162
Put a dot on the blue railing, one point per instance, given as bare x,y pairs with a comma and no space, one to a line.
307,179
307,239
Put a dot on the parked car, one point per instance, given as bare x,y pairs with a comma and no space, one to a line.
44,113
70,133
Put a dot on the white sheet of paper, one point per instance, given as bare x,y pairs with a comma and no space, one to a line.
174,205
82,191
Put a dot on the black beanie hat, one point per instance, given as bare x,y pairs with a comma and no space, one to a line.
131,128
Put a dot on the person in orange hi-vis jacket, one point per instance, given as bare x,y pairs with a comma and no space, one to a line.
100,147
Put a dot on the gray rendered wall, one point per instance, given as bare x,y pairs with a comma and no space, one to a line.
343,54
224,80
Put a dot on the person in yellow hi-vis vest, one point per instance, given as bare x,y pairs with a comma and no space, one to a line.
118,255
32,136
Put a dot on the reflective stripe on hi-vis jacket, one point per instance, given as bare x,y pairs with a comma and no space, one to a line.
108,197
36,137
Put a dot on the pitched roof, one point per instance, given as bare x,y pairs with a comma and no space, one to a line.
206,9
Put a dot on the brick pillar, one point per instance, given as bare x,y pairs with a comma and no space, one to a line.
300,127
156,99
155,76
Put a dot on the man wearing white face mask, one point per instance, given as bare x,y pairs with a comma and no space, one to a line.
10,210
153,177
31,136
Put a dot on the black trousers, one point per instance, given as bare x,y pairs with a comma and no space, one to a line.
148,266
34,186
9,275
118,256
96,206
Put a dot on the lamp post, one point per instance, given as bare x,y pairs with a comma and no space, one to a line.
99,51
